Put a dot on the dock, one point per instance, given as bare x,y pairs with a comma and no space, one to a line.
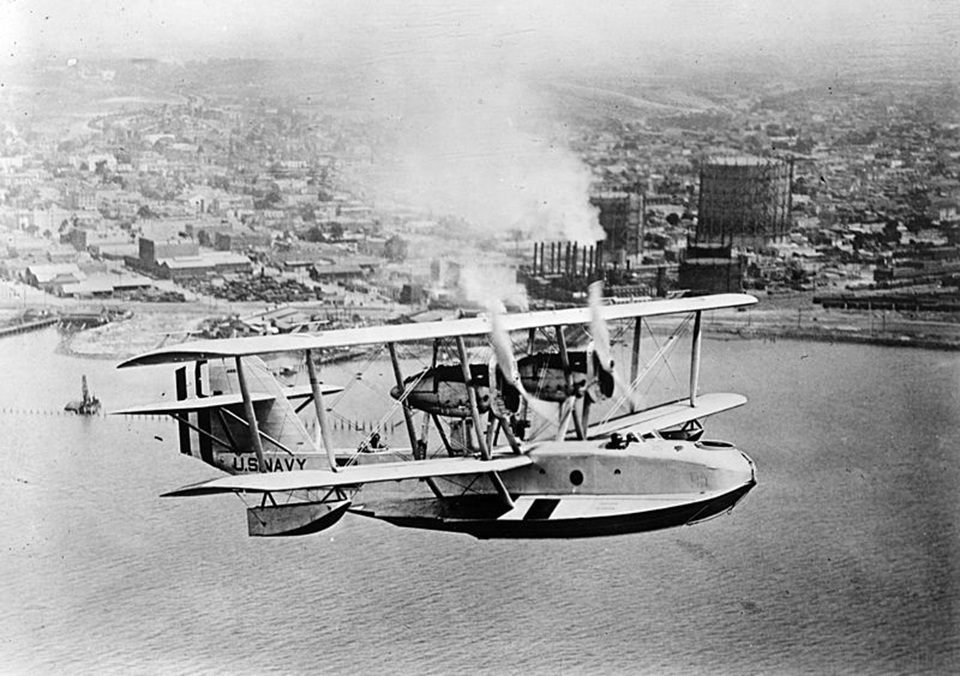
67,321
28,326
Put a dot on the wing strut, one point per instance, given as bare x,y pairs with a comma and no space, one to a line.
695,359
568,376
321,410
635,357
443,435
196,428
472,397
407,413
251,414
263,435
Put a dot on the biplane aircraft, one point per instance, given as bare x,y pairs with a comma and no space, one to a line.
635,470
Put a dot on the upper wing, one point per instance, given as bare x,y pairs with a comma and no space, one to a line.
369,335
669,415
351,476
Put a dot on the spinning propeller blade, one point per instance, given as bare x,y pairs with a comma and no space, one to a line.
601,336
607,376
507,363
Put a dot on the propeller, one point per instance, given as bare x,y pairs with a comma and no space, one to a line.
507,364
607,378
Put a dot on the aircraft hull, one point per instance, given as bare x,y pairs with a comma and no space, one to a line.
685,514
579,490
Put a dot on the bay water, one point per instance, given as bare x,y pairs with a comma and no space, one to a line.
844,559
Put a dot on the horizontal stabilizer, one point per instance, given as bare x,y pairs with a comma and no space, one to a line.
304,391
218,401
398,333
669,415
350,476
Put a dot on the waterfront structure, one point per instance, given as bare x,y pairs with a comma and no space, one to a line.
48,277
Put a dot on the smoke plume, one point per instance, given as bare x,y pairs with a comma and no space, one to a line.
466,135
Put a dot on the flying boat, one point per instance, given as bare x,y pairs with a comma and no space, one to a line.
637,468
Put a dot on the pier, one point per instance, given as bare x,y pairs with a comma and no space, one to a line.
28,326
70,321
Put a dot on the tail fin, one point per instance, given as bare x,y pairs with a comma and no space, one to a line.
222,415
278,418
193,443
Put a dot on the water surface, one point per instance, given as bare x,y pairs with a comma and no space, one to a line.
842,560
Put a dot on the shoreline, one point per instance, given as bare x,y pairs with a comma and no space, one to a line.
105,342
791,316
886,339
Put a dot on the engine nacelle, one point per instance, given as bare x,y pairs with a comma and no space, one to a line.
440,390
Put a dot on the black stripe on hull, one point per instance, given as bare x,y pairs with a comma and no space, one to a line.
183,429
638,522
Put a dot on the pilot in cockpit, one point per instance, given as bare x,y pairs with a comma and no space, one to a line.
616,441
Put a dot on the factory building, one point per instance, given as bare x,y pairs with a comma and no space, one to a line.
620,217
567,259
620,214
562,270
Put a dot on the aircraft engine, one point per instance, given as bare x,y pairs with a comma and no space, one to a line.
441,391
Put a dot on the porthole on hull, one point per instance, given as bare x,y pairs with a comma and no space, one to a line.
576,477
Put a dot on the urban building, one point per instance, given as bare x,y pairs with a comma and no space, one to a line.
744,202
